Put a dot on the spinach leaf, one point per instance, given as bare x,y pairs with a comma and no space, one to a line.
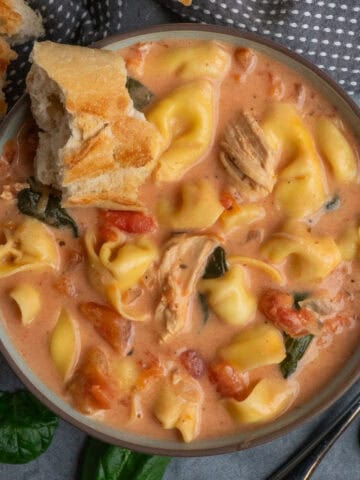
204,307
106,462
56,216
140,95
299,297
295,350
216,264
333,204
29,203
26,427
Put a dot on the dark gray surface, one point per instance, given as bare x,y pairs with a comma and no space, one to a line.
60,462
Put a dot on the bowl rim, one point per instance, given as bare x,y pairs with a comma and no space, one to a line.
236,445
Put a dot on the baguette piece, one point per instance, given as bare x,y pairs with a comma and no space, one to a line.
6,56
94,145
18,22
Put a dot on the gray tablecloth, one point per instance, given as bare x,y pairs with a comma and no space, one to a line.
60,462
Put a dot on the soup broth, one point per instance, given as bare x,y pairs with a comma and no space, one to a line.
172,354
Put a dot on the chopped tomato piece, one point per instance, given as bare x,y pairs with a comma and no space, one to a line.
229,382
115,330
100,396
245,58
127,221
337,324
66,286
278,307
193,363
90,386
151,369
227,201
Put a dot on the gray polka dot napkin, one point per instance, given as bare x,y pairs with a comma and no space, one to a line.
326,32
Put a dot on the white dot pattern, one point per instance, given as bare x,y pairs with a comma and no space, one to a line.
328,33
81,22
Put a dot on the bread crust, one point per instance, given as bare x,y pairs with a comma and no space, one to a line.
110,147
10,19
18,22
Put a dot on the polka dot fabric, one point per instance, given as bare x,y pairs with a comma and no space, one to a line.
79,22
326,32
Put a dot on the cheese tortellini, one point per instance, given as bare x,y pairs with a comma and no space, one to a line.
119,266
241,216
207,59
30,246
185,120
269,270
301,187
255,347
199,207
349,243
309,258
28,300
179,405
269,398
229,296
126,372
336,150
65,344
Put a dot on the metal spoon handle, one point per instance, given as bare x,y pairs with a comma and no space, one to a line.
302,465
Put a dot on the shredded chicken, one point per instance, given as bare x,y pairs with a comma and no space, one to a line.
247,157
182,265
322,307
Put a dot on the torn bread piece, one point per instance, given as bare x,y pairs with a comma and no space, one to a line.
18,22
94,145
247,157
6,56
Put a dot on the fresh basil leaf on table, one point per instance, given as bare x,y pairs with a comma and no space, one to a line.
295,350
29,202
140,95
26,427
107,462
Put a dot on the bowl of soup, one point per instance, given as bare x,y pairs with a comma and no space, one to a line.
225,312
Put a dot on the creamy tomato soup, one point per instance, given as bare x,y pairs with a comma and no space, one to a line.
232,297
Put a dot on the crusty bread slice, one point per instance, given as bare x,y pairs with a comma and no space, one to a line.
18,22
6,55
93,145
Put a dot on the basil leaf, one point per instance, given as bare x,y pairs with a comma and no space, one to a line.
53,214
295,350
204,307
26,427
333,204
106,462
140,95
299,297
216,264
